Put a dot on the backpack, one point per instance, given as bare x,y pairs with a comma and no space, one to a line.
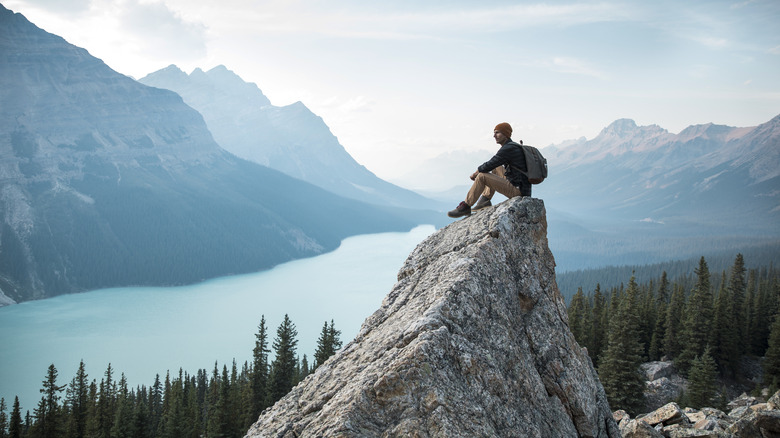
535,162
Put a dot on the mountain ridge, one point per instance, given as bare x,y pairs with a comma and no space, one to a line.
290,138
107,182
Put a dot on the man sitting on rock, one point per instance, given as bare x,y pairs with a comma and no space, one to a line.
509,180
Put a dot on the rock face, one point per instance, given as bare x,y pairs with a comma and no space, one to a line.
473,340
106,182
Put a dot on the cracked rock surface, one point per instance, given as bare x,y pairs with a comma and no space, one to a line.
472,340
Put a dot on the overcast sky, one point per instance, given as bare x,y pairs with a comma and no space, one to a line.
402,81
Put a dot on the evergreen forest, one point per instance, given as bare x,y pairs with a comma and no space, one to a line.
710,324
223,402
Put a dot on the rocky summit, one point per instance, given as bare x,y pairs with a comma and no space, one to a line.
473,340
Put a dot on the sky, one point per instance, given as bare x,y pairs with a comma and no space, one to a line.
401,82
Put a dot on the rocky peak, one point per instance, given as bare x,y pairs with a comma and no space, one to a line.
472,340
620,128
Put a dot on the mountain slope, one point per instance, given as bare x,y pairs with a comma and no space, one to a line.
640,194
290,139
715,176
107,182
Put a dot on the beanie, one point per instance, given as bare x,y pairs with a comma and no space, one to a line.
504,128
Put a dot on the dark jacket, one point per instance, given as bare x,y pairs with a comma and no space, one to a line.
512,156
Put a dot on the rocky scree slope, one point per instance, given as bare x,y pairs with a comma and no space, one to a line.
472,340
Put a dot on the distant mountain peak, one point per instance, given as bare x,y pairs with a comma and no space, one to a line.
291,139
620,128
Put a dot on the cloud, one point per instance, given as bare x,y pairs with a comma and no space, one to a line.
387,21
575,66
161,32
70,7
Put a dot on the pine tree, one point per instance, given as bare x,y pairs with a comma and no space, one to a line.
765,303
771,362
223,406
698,319
106,405
598,325
92,426
283,366
656,350
328,343
155,406
675,314
77,398
259,375
755,311
213,428
737,289
141,415
725,335
173,418
15,429
304,369
50,423
619,367
701,380
3,419
122,426
647,315
576,313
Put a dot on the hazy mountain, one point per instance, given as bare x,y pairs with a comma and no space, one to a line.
290,139
105,182
712,175
640,194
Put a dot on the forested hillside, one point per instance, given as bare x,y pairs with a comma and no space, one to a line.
706,323
682,270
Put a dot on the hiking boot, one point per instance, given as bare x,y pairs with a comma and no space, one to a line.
482,202
462,209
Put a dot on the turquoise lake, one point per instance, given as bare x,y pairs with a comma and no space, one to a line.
144,331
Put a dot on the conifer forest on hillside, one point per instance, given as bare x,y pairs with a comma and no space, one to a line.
706,323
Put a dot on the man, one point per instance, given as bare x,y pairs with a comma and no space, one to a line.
510,183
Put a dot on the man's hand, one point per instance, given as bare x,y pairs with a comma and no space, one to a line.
474,175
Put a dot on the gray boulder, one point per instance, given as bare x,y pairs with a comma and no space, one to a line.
472,340
657,370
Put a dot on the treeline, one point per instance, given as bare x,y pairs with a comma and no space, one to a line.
680,270
705,323
216,403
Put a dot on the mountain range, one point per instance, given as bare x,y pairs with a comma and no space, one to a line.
712,174
108,182
290,138
105,181
640,194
